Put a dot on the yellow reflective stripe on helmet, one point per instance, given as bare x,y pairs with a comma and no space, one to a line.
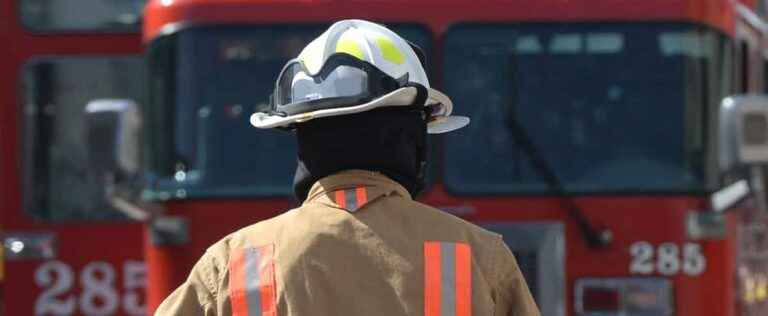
389,51
350,47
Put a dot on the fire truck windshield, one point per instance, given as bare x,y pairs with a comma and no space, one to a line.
81,15
204,85
611,107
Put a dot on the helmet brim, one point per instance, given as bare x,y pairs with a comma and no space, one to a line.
441,122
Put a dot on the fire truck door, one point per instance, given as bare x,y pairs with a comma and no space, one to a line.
67,250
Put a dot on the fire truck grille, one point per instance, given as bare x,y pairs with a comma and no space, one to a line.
540,252
528,262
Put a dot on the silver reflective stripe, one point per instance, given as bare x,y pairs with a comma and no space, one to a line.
448,279
351,198
252,281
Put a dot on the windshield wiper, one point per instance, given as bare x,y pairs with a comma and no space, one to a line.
594,238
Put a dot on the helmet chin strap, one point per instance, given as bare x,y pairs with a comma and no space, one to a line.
421,94
419,101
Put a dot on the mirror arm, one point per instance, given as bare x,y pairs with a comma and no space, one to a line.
758,187
133,211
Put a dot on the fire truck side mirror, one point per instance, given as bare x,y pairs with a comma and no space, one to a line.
113,127
743,130
113,138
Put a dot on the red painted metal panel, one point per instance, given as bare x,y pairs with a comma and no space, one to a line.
162,15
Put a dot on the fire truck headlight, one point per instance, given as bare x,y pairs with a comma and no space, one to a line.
623,296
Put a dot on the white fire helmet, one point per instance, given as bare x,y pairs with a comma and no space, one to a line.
355,66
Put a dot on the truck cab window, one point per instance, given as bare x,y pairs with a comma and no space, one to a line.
82,15
205,82
593,93
62,179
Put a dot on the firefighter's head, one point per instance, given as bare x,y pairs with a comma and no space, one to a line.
358,97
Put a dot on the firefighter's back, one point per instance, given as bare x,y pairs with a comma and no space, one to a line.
359,245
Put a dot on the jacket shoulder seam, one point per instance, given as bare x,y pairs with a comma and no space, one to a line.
211,284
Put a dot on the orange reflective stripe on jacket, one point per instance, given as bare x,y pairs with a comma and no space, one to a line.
351,199
447,279
252,281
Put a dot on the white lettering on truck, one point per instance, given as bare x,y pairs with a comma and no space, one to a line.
667,259
99,294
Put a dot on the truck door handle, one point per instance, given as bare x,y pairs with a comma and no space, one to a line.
29,246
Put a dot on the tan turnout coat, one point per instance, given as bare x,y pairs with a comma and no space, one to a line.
359,245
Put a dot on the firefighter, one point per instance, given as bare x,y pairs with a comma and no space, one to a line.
360,104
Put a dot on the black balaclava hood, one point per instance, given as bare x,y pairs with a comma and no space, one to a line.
389,140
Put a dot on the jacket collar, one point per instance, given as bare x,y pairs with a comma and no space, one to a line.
371,185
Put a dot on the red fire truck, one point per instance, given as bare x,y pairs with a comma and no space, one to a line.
65,252
603,145
595,145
